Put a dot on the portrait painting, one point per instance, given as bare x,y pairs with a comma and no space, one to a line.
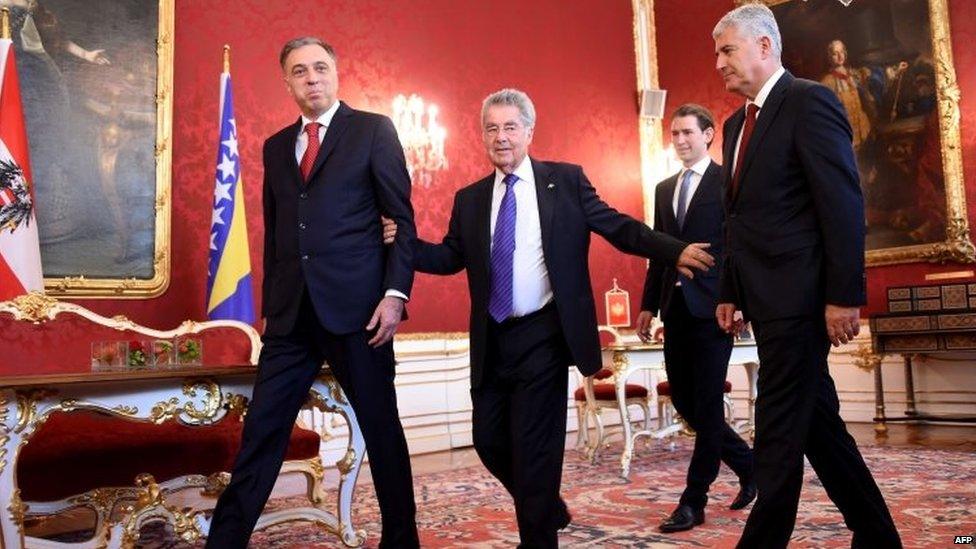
879,57
89,75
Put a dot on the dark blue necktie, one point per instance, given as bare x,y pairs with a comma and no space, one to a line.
683,199
503,254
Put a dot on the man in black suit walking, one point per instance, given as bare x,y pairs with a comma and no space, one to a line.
795,267
523,233
332,292
689,206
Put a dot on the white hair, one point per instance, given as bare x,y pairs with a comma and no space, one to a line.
755,21
515,98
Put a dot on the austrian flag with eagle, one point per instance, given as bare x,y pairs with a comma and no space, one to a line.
20,253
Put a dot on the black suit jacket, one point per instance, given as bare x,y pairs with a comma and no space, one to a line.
569,210
796,224
326,234
704,222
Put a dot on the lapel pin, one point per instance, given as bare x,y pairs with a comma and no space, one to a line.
551,186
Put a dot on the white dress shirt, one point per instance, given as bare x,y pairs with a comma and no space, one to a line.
697,172
531,289
302,143
759,100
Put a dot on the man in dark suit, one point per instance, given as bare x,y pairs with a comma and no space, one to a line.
689,206
332,292
523,233
795,266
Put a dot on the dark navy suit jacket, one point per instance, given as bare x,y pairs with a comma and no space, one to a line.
569,210
326,235
704,222
796,225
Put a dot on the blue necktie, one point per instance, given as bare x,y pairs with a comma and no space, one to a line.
683,199
503,254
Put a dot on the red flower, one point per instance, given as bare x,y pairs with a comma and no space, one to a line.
136,345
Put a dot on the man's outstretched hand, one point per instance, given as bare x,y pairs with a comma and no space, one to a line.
694,256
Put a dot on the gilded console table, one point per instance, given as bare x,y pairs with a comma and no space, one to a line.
194,396
626,359
912,335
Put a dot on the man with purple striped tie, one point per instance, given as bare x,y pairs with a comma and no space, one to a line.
523,234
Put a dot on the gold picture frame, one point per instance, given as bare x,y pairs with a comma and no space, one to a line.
956,245
157,233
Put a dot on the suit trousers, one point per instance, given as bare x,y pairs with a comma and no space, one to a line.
519,419
287,368
797,415
696,355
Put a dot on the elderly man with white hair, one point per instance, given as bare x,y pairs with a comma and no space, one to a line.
794,265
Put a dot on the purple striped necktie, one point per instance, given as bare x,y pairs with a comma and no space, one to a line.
503,254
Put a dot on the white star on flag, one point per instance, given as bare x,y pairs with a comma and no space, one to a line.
231,145
226,167
213,243
216,220
222,192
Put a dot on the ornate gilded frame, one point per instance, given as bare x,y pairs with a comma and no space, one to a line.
650,129
957,246
136,288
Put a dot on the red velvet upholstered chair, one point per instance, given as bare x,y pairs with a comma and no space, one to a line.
597,393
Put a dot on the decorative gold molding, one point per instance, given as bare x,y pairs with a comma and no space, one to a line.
211,400
32,307
865,358
151,505
650,129
348,461
236,404
132,288
430,336
27,400
164,410
18,510
216,484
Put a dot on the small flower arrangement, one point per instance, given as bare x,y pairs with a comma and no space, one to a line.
138,356
189,351
162,351
108,354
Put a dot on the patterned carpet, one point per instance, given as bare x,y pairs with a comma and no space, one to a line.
932,495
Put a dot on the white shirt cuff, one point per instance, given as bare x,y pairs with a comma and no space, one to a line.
396,293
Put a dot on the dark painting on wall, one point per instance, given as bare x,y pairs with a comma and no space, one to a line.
878,58
89,73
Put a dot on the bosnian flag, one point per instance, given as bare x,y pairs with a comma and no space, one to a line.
20,252
229,269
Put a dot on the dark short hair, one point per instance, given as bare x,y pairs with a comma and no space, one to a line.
296,43
704,116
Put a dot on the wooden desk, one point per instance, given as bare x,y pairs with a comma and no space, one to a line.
912,335
195,396
625,360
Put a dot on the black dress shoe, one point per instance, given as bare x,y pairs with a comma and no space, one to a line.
565,516
746,494
683,518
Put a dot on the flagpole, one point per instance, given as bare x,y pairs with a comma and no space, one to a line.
5,23
226,56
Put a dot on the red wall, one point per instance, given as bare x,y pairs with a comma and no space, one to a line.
575,59
686,61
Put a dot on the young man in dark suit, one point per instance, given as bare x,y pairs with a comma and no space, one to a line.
523,233
795,266
689,206
332,292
